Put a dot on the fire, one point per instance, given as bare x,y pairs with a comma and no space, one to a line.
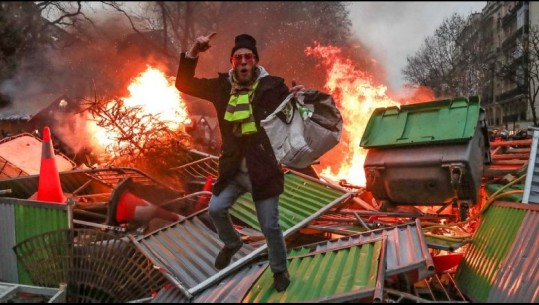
158,96
155,97
357,97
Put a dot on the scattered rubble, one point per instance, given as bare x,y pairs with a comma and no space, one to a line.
343,244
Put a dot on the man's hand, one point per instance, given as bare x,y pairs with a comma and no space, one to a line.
296,88
202,43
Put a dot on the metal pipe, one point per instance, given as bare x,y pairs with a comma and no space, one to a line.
189,164
455,285
70,206
8,294
185,197
511,143
424,250
60,297
241,262
337,187
94,195
519,150
508,162
380,277
5,192
393,214
171,278
407,296
442,286
98,225
337,219
88,213
364,204
198,152
85,184
495,151
332,230
383,214
343,297
443,207
361,221
511,156
189,217
429,288
144,300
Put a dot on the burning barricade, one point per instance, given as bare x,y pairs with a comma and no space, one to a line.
344,244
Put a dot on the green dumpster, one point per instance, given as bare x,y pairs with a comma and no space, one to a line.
426,153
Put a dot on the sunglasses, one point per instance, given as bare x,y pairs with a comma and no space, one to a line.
238,58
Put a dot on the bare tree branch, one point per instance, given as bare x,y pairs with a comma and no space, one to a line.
445,63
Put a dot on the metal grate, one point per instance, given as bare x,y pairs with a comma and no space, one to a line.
197,170
113,176
15,293
97,267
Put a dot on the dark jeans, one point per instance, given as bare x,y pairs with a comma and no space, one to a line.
267,211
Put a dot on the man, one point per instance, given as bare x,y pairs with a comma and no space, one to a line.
242,97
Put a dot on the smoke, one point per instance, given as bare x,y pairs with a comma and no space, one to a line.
413,95
283,31
72,130
105,62
100,64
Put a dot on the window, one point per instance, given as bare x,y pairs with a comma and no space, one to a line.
522,16
520,75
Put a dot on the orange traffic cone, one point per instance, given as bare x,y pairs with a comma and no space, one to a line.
203,200
126,207
49,187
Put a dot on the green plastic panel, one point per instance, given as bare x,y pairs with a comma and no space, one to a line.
301,198
299,251
493,187
31,221
423,123
488,249
435,242
322,275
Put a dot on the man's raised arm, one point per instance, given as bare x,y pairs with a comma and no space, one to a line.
186,81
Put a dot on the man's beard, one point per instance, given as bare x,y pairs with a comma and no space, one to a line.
246,82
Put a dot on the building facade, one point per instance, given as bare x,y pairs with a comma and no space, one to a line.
503,30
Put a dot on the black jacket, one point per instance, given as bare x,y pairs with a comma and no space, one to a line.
266,176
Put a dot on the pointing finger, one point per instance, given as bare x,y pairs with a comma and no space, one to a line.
212,35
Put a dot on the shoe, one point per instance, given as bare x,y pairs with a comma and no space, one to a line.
281,280
225,255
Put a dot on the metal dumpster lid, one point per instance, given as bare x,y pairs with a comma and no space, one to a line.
450,120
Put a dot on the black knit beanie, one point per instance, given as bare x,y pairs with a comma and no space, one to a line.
245,41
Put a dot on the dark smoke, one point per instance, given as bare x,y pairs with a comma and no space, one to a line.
283,30
79,67
103,63
5,100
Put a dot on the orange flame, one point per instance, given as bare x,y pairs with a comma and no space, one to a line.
357,97
156,96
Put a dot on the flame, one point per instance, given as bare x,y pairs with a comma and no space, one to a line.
357,97
156,96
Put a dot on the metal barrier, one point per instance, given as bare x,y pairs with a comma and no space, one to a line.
97,266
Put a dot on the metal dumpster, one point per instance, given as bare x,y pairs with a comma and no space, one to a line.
428,153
